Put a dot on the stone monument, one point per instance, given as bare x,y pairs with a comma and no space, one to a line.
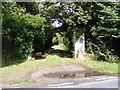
80,47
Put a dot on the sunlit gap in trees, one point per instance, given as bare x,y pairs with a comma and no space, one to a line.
56,24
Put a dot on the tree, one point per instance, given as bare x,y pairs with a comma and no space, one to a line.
28,27
103,29
100,23
19,32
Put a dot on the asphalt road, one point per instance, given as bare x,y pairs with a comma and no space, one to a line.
102,84
94,82
89,82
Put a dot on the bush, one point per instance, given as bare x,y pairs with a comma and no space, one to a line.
19,31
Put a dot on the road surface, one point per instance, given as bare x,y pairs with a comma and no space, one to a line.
89,82
92,82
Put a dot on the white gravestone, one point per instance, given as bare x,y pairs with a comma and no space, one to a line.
80,47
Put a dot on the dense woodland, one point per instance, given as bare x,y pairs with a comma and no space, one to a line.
27,27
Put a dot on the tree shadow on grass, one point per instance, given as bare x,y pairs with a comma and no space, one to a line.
61,53
10,62
39,58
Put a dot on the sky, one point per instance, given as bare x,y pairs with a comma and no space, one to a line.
56,24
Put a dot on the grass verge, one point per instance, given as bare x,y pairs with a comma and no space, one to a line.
101,65
52,60
18,80
15,73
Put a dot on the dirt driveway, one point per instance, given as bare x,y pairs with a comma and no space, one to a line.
46,75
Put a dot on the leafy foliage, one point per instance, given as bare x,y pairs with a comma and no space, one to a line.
104,31
19,31
27,27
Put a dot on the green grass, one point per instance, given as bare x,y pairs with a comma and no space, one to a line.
52,60
19,68
60,47
102,65
19,80
15,73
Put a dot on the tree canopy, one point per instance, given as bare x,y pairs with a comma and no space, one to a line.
27,27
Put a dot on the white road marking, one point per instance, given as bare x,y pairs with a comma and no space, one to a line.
63,84
105,78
